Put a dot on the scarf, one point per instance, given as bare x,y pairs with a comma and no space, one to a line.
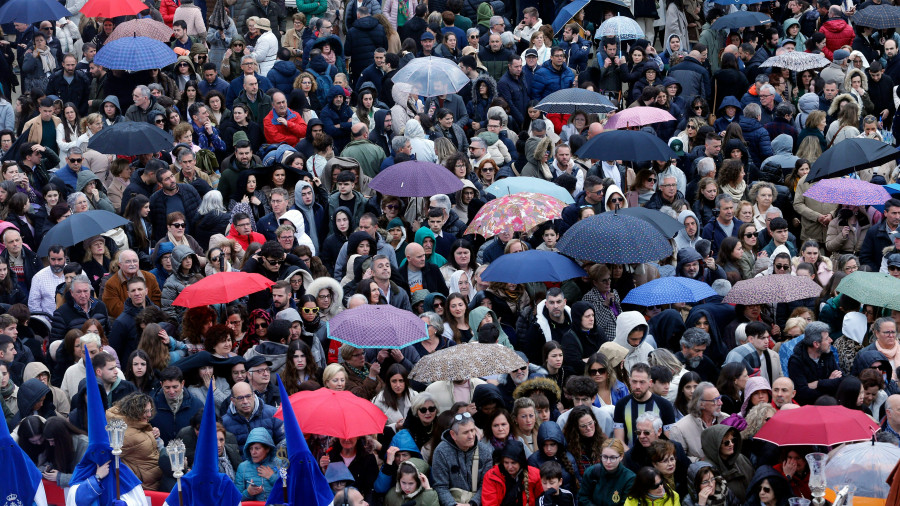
330,58
225,464
891,354
182,242
362,373
403,12
736,192
8,390
175,403
48,61
314,325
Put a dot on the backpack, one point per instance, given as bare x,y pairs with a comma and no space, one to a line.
323,84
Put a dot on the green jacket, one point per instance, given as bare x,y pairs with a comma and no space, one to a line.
600,487
736,469
367,154
359,208
421,496
713,40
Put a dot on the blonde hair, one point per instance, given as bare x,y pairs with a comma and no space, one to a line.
331,371
795,322
615,444
521,404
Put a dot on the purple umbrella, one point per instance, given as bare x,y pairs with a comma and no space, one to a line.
380,326
416,179
852,192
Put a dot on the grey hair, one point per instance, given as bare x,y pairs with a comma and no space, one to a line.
434,320
507,39
145,91
665,358
724,197
653,418
694,403
280,191
754,191
456,424
497,20
753,111
212,201
706,166
813,333
75,150
90,337
478,140
398,142
761,79
695,337
721,286
185,151
73,198
472,31
774,211
420,400
156,86
357,296
769,88
538,125
247,58
81,278
881,321
441,201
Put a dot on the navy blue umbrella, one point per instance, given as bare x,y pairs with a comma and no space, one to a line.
79,227
849,156
32,11
880,17
416,179
569,100
532,266
740,19
593,9
669,290
132,138
664,223
614,238
626,145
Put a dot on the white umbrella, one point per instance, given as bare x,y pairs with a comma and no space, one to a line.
432,76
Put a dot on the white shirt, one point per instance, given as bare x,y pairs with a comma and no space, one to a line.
42,296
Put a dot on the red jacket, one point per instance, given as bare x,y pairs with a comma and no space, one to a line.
838,33
244,240
167,10
493,487
284,134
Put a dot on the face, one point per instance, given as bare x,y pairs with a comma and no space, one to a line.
172,389
887,335
726,210
139,367
610,458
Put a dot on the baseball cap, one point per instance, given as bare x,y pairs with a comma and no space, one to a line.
531,52
427,36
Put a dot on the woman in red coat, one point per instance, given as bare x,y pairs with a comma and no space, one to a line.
512,480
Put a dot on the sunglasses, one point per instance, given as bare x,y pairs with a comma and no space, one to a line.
766,489
728,442
275,262
215,259
617,199
262,325
182,64
75,160
698,107
178,225
594,372
429,409
392,206
749,235
310,310
782,267
643,432
651,179
160,121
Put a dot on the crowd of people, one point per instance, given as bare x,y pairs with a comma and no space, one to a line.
282,114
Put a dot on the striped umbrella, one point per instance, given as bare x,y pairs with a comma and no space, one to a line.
852,192
135,53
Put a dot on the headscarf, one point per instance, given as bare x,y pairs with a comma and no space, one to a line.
453,284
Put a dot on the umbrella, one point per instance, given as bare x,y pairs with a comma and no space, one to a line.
866,465
874,288
620,28
770,289
466,361
335,413
851,155
569,100
852,192
377,326
135,53
532,266
416,179
740,19
131,138
32,11
616,239
592,10
79,227
637,116
628,145
567,13
432,76
881,17
112,8
797,61
664,223
817,425
144,27
510,185
669,290
221,288
515,213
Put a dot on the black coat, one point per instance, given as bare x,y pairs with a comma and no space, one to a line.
363,38
124,336
76,92
190,201
208,225
69,316
31,263
432,279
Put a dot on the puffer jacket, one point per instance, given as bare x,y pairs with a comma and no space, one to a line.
478,106
497,480
547,80
262,418
337,121
757,138
247,471
282,76
838,33
177,281
422,146
550,431
139,450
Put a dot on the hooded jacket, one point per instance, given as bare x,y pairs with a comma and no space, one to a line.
780,164
402,111
378,135
688,255
177,281
118,118
477,315
314,219
419,497
736,469
682,240
336,120
29,394
723,121
626,323
60,399
247,471
838,33
722,496
499,487
550,431
777,482
331,247
451,467
422,146
102,203
299,222
325,282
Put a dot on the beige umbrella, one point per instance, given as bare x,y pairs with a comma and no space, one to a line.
466,361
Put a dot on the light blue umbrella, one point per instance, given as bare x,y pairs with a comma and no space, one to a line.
135,53
510,185
432,76
669,290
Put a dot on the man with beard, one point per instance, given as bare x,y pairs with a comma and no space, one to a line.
693,343
171,197
704,410
552,323
641,400
42,297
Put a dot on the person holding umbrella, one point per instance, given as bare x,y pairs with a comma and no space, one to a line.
362,378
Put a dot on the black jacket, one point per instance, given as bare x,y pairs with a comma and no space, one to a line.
69,316
378,136
78,415
31,263
363,38
432,279
190,201
124,336
136,187
803,370
76,92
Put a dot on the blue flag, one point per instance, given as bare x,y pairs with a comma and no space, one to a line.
306,484
204,484
20,481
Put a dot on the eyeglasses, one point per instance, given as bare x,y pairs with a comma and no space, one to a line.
595,372
766,96
587,425
728,442
522,369
178,225
610,458
326,296
714,399
427,409
263,325
463,416
708,481
242,397
748,235
310,310
75,160
766,489
160,121
264,370
782,267
668,185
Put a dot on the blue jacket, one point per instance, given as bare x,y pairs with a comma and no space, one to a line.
713,233
248,469
403,440
219,85
237,86
550,431
170,423
757,138
263,416
547,80
694,78
282,76
516,94
577,53
336,121
267,225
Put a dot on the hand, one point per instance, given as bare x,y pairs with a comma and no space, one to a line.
789,467
246,200
710,263
845,231
367,274
103,471
227,53
375,370
50,475
155,432
382,354
254,489
95,193
265,472
705,492
424,480
763,254
884,114
255,200
207,377
399,424
476,125
607,62
163,336
391,453
776,330
282,121
208,126
37,148
835,374
324,461
246,50
397,355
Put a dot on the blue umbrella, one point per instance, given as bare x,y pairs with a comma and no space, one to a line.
416,179
510,185
592,10
432,76
131,138
135,53
740,19
32,11
669,290
569,100
626,145
567,13
614,238
79,227
532,266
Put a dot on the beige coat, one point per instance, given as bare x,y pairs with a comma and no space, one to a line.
687,432
809,211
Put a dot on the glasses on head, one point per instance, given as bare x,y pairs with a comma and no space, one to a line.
177,225
463,416
594,372
427,409
310,310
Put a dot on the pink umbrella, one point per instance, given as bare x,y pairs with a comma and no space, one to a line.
852,192
637,116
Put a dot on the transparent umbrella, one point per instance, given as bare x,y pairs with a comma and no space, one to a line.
865,465
432,76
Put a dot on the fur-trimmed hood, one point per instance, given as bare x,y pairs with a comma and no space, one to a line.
544,385
853,71
838,100
337,295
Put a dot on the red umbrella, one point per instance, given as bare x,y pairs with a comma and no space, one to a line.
221,288
112,8
817,425
331,413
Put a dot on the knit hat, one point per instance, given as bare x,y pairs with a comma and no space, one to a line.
91,240
395,223
239,136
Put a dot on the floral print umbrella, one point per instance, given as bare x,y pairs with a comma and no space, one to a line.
517,212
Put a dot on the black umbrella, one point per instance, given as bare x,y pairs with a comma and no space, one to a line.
79,227
569,100
741,19
851,155
667,225
131,138
880,17
626,145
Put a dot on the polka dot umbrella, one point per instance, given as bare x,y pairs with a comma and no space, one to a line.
772,289
616,239
517,212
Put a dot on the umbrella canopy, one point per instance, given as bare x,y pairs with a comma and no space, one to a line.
567,13
221,288
737,2
112,8
770,289
377,326
875,288
666,224
144,27
851,155
532,266
135,53
866,465
740,19
79,227
515,213
881,17
627,145
32,11
620,27
592,10
817,425
131,138
853,192
432,76
416,179
569,100
616,239
669,290
510,185
335,413
797,61
466,361
637,116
